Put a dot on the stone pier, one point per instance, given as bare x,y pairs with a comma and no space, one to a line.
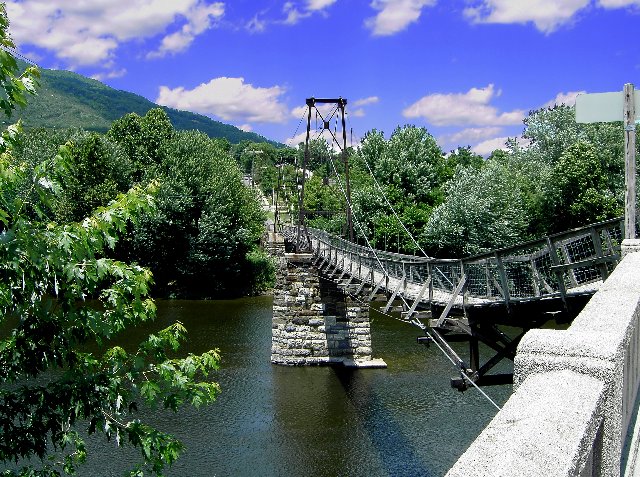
314,321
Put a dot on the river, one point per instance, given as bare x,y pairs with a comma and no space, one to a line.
292,421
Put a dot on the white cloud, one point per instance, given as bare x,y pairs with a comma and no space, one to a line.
230,99
568,98
366,101
245,127
88,33
546,15
463,109
470,135
299,112
200,18
487,147
395,15
618,3
111,74
256,25
315,5
358,105
295,140
294,12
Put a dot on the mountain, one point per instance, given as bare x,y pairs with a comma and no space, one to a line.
66,99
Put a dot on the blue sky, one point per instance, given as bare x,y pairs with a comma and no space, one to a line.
467,70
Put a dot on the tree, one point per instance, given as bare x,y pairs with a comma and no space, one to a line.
483,211
413,162
551,131
580,192
464,157
51,386
556,140
319,154
98,172
405,173
201,238
143,138
324,205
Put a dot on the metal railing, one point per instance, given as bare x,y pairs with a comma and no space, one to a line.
571,262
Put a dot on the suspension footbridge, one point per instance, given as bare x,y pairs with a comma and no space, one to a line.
471,299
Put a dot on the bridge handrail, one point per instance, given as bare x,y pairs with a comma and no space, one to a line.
571,260
575,391
560,237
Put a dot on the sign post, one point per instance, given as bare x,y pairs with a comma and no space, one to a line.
629,162
608,107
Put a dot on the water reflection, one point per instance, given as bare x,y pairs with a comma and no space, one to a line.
276,421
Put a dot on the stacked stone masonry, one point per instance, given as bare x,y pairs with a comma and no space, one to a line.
314,321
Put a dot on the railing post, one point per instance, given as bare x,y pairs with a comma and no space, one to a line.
503,279
597,246
465,290
404,274
534,277
571,271
559,275
430,273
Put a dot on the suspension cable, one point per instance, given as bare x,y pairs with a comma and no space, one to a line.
289,141
357,222
15,52
395,214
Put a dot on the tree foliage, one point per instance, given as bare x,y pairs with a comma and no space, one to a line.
60,291
98,172
483,211
201,238
581,191
143,138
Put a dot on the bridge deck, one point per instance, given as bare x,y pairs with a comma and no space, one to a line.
555,273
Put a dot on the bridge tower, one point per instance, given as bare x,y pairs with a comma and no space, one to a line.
340,105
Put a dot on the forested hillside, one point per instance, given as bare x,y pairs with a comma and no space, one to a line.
67,99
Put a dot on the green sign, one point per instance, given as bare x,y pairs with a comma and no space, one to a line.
603,107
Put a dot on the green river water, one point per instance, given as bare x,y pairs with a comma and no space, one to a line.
321,421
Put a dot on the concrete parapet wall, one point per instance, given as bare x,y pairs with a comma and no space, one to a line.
314,322
547,428
579,379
